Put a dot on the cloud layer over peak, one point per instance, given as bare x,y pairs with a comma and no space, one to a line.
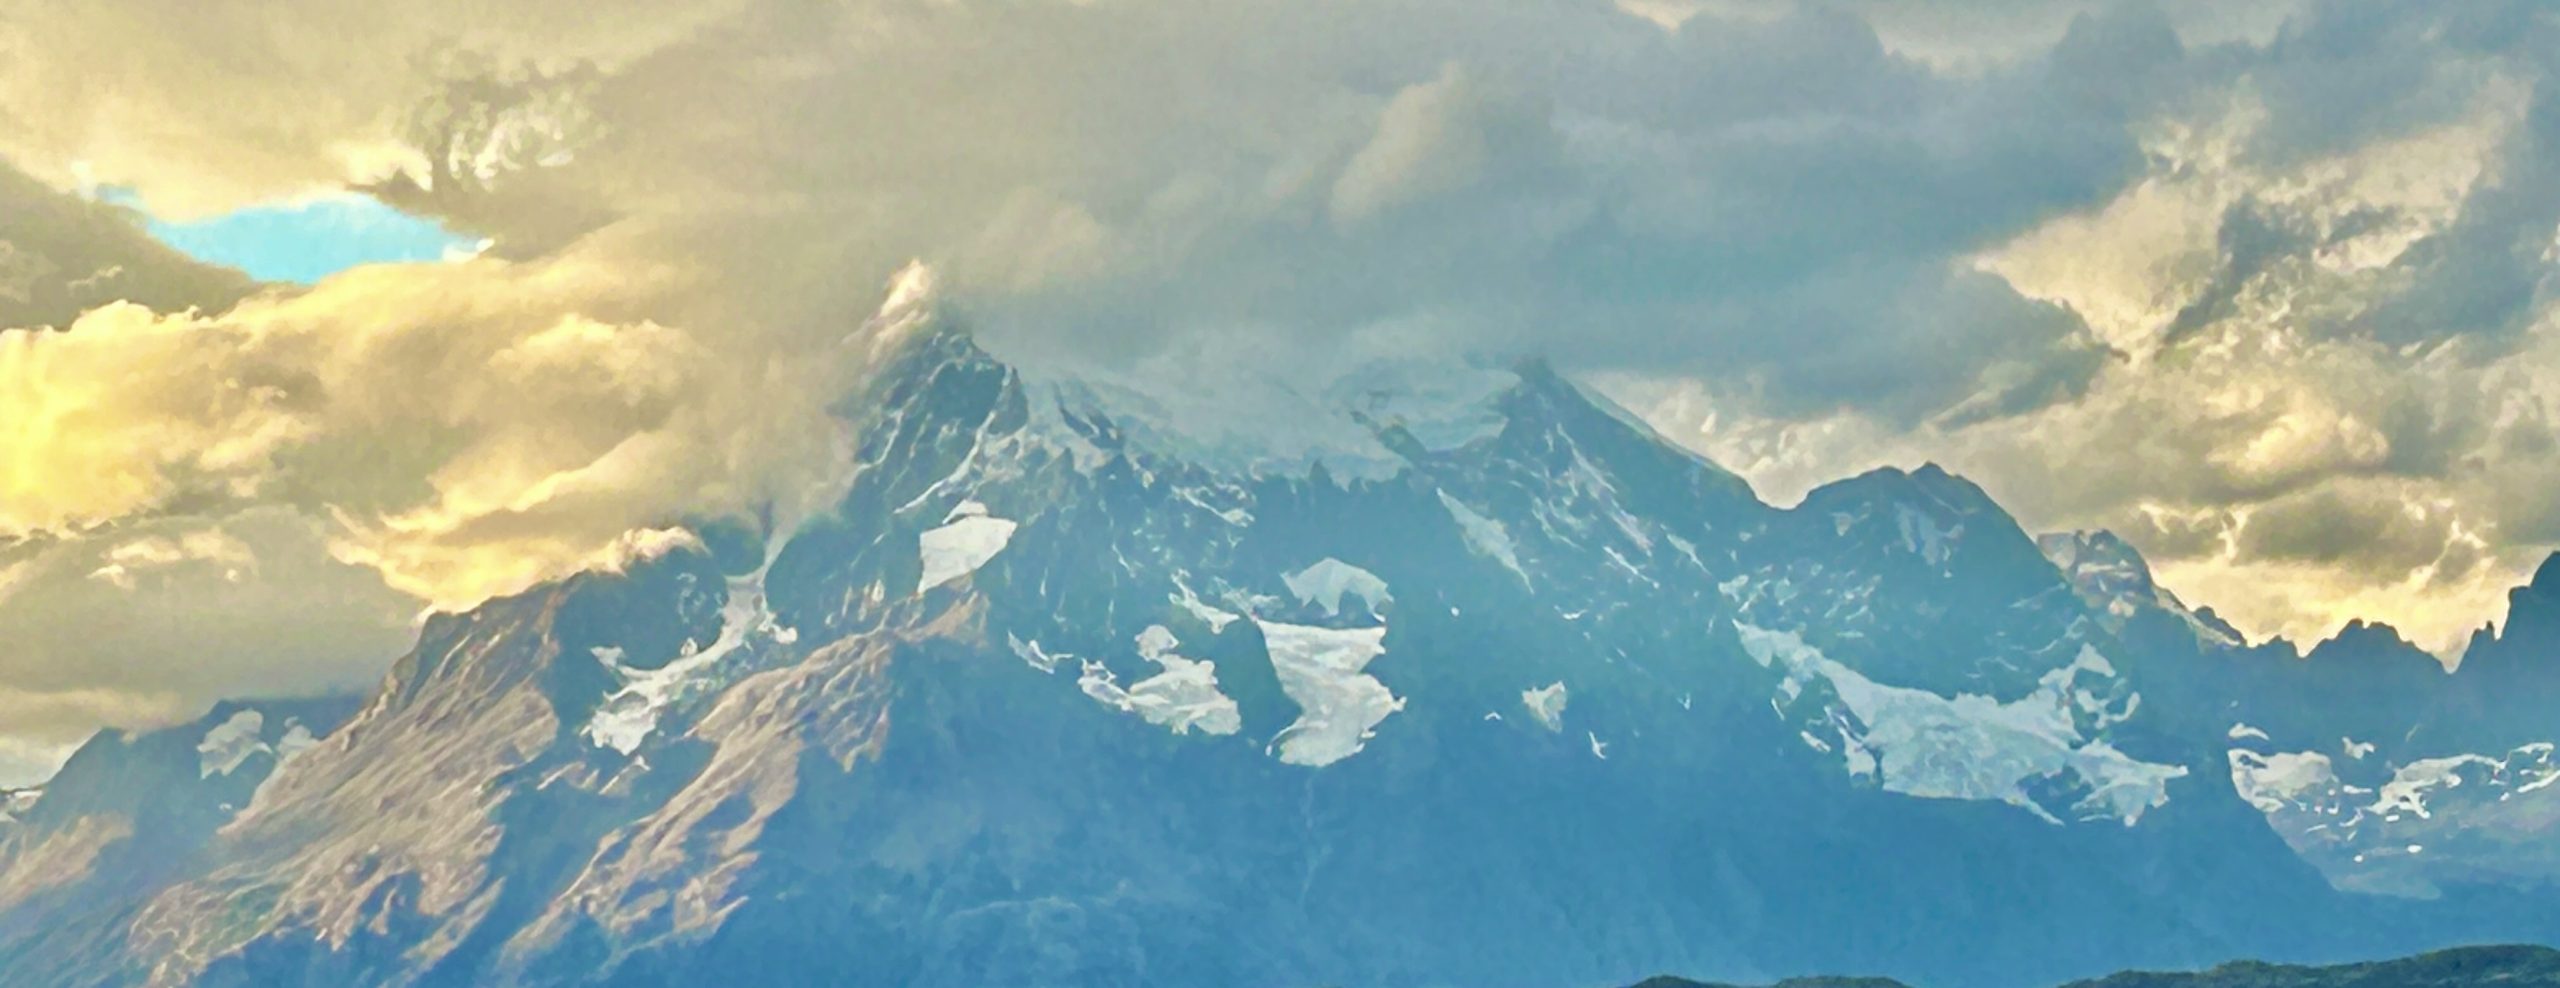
2266,291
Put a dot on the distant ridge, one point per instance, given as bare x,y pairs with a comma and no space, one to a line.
2462,967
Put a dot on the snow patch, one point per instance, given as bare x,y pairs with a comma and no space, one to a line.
1546,703
1922,534
2242,732
967,541
1320,669
230,744
1968,746
296,740
1485,536
1031,653
2120,786
1329,580
2410,787
628,716
242,736
1216,619
1183,696
2472,811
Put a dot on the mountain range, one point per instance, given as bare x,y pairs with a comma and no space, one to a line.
1444,676
2469,967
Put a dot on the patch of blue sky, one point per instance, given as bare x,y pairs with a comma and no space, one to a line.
305,240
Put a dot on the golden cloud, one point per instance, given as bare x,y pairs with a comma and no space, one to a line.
475,426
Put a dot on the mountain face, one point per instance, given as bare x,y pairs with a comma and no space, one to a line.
127,815
1451,676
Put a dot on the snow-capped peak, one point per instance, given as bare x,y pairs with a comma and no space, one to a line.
1366,423
1353,426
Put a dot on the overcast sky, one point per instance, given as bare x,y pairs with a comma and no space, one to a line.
2264,288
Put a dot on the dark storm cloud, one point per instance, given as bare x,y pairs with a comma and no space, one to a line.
61,254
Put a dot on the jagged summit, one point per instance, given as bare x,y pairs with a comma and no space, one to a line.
2114,578
1932,512
1928,479
1929,490
1928,529
2508,678
2369,642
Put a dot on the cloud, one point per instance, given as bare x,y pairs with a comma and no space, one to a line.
146,623
218,105
62,254
685,211
1969,35
152,555
2208,276
1433,138
474,427
2329,295
1105,179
